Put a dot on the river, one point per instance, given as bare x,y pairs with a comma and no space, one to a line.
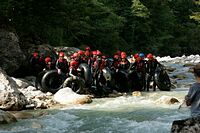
125,114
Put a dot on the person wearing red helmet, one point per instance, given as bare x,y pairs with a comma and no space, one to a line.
116,61
87,49
34,60
62,64
49,64
139,66
74,75
124,63
152,64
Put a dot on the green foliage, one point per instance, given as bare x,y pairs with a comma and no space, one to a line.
164,27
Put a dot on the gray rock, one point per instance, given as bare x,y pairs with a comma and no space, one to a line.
6,118
11,56
10,97
190,125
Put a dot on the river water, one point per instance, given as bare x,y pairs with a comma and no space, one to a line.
125,114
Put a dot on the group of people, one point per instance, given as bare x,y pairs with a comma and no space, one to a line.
144,66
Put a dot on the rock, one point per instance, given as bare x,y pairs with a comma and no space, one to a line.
179,76
10,97
11,56
188,65
36,125
67,96
22,114
22,83
115,94
167,100
170,69
137,93
191,70
6,118
190,125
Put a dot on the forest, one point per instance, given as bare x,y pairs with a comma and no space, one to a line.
162,27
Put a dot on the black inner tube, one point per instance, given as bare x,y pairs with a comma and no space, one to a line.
51,81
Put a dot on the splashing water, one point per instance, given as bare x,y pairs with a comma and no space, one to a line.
125,114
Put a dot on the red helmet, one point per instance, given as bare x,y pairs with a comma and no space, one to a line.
47,59
35,54
149,56
103,56
136,55
87,53
98,52
87,49
116,56
76,55
123,53
80,52
94,52
123,56
73,63
61,54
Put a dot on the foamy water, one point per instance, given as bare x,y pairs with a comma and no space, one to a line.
125,114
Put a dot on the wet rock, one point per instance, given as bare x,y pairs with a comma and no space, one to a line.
167,100
170,69
137,93
11,56
115,94
179,76
190,125
6,118
67,96
36,125
189,65
22,114
10,97
191,70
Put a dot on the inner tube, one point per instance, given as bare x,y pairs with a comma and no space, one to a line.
76,85
162,79
51,81
87,75
107,74
38,80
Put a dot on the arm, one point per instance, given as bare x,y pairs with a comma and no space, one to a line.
190,96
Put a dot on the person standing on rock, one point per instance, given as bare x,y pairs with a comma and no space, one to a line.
193,97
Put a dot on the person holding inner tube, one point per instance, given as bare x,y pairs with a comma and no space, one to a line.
193,97
62,65
124,63
49,64
152,64
74,75
140,66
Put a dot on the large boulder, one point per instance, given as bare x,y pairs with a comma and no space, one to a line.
10,97
11,56
6,118
190,125
67,96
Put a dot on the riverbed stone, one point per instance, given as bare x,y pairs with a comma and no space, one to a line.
6,118
190,125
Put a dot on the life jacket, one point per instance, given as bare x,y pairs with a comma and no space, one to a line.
62,64
140,66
